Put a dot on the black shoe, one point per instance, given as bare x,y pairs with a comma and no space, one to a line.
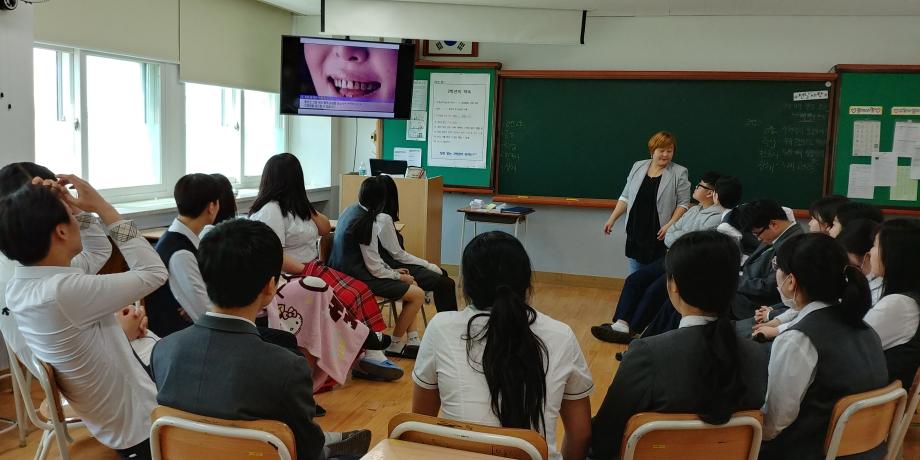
320,412
408,352
374,343
606,334
353,443
619,356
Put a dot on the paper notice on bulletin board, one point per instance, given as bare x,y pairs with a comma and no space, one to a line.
417,126
860,182
458,120
906,138
866,134
884,169
906,188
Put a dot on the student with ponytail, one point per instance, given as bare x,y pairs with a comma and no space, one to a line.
896,317
499,361
356,251
826,353
677,371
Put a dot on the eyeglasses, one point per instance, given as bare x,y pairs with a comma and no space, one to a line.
703,187
757,233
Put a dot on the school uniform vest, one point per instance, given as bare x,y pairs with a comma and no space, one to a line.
162,306
903,360
850,360
346,251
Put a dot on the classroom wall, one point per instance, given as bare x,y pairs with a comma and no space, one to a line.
17,124
570,240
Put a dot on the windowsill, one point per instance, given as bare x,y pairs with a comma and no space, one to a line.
150,209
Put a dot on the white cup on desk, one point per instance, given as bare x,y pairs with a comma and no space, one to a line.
476,204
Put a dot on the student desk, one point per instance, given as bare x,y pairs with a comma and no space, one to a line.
394,449
493,217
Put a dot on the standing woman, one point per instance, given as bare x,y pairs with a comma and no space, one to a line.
827,352
282,203
428,276
896,317
656,194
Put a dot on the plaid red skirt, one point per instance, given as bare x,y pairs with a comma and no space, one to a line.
353,293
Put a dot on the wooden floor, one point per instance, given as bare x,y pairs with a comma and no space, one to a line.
364,404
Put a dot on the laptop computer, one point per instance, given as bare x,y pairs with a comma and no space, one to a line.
389,167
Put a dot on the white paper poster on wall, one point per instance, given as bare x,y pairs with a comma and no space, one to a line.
906,138
866,134
860,182
417,126
884,169
412,156
458,120
419,94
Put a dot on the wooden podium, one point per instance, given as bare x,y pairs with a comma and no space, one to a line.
420,205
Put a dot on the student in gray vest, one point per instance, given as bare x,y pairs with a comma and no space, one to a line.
827,352
896,317
355,251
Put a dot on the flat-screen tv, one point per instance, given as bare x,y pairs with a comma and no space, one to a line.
346,78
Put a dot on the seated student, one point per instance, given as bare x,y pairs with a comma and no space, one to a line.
827,353
896,316
179,303
822,212
227,209
850,211
644,289
238,375
66,314
282,203
678,370
499,362
356,251
427,275
757,285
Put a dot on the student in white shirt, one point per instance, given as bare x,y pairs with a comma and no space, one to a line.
676,371
827,352
500,362
428,276
67,315
896,317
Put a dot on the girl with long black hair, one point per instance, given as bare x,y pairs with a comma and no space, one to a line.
356,251
499,361
826,353
896,317
677,371
428,276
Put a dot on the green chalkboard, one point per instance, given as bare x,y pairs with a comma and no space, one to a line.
567,137
394,135
885,90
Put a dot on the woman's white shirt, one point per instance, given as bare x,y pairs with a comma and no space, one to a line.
895,319
443,364
386,233
298,236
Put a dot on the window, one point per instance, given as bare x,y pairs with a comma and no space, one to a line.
231,131
117,145
57,140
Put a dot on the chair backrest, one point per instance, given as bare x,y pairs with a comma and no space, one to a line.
863,421
176,434
653,435
913,395
514,443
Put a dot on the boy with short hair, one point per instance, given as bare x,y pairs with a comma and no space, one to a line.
66,315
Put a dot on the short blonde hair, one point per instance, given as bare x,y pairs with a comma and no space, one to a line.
660,140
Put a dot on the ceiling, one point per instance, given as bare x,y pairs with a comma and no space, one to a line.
675,7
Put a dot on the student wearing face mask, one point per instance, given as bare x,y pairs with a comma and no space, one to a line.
827,352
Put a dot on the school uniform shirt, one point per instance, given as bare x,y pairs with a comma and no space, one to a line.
185,280
876,283
384,233
67,319
298,236
876,286
895,318
442,364
96,251
695,219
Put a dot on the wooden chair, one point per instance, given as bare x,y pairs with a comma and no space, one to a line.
501,442
60,417
653,435
863,421
178,435
896,444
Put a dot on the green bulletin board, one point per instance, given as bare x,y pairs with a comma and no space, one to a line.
394,135
867,111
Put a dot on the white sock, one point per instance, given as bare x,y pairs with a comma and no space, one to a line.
414,339
379,335
332,437
620,326
396,345
375,355
413,335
